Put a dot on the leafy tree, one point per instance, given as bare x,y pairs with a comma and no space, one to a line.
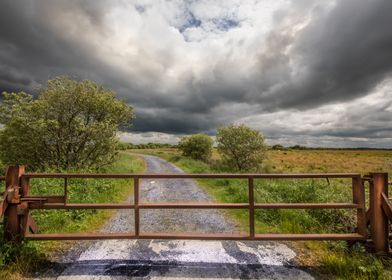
197,146
124,146
278,147
71,124
241,148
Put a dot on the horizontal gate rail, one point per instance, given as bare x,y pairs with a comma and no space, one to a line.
24,225
308,206
195,236
170,205
191,176
69,206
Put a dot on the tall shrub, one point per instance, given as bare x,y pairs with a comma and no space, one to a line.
197,146
241,148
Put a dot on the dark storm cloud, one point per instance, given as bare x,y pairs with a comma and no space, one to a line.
171,123
342,53
32,51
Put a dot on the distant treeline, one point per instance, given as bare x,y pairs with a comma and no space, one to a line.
298,147
126,146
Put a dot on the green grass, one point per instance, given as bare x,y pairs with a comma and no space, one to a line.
336,261
331,260
85,191
16,262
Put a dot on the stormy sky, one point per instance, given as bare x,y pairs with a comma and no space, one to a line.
316,73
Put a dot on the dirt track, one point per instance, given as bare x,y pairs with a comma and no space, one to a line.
159,259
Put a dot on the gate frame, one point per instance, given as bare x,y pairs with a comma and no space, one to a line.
20,226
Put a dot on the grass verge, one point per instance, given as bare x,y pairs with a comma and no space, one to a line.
18,262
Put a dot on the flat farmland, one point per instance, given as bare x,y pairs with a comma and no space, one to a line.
328,160
361,161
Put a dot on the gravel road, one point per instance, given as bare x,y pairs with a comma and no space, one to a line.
175,259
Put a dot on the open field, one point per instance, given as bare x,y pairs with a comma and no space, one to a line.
291,161
33,255
361,161
332,260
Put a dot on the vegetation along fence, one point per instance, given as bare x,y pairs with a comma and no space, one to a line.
372,216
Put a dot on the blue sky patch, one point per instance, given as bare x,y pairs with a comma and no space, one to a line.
225,24
192,22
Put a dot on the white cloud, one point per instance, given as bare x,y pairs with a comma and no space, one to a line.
149,137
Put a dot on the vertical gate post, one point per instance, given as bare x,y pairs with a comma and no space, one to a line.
378,219
23,211
359,198
12,221
136,203
251,202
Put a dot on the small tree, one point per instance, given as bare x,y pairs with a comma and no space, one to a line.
197,146
71,124
241,148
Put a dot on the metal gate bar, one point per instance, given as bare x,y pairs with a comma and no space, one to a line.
195,236
60,202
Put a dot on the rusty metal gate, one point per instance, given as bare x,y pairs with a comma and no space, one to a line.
20,225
